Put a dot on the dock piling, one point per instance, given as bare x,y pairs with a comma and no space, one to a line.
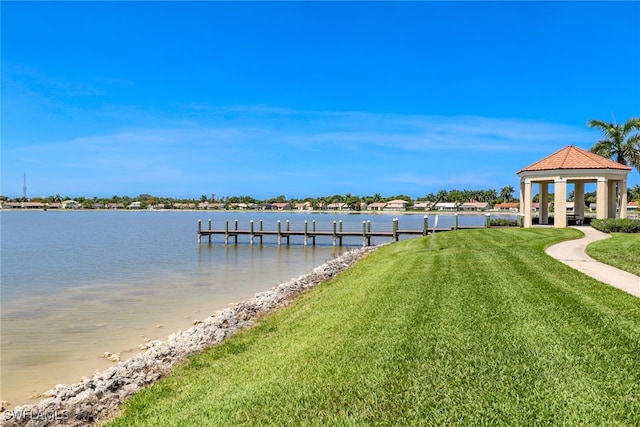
288,235
236,229
395,229
261,231
313,226
335,234
279,233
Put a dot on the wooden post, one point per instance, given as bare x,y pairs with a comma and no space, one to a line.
251,233
261,232
395,229
288,236
340,236
455,221
425,225
369,232
364,233
306,225
487,220
199,231
210,230
236,228
226,232
313,239
279,232
334,233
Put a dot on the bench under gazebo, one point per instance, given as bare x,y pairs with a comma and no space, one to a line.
573,165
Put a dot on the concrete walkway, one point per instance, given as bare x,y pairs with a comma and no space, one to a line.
572,253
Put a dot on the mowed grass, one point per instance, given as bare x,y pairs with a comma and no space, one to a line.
485,329
622,250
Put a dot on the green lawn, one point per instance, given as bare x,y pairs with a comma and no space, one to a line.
622,250
485,329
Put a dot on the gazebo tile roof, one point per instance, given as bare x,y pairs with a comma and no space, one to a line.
572,157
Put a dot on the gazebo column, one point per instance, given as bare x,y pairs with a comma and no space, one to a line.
623,199
544,203
525,202
602,198
612,199
560,203
578,196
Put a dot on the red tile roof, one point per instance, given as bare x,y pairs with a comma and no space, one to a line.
572,157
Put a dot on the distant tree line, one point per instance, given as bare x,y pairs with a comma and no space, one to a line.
490,196
352,200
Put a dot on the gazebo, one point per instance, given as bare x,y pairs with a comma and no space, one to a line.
573,165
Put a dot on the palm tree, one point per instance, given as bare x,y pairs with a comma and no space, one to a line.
506,194
621,142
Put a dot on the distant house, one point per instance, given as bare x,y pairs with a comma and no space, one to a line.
509,207
304,206
338,207
536,206
184,206
70,204
115,205
265,206
54,205
396,205
593,207
474,206
281,206
23,205
98,206
378,206
32,205
135,205
447,206
633,207
422,206
245,206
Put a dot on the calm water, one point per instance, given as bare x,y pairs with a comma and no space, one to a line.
77,284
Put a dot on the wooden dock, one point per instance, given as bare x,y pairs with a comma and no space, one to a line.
336,232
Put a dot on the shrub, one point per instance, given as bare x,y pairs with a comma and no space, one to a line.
502,222
626,225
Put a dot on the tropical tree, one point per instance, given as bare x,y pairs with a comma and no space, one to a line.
506,194
621,142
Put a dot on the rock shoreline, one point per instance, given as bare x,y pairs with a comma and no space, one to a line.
99,397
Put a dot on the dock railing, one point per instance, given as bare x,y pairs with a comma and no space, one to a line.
309,232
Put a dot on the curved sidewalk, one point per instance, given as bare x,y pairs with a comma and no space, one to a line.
572,253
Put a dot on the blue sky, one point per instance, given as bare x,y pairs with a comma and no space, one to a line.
304,99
